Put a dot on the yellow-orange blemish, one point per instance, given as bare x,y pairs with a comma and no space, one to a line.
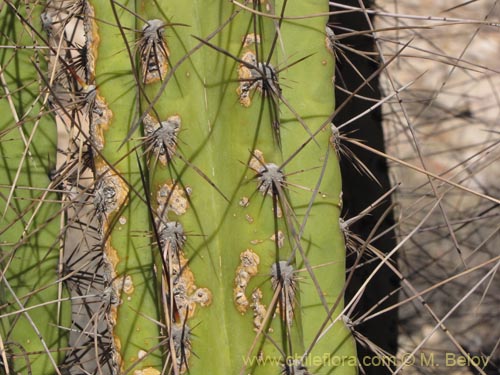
147,371
171,198
259,310
244,202
247,268
257,160
246,78
281,239
250,39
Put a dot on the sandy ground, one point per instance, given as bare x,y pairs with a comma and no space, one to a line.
450,117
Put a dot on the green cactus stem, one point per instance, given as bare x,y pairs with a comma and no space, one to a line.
199,192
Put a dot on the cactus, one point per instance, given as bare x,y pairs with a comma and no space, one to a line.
172,191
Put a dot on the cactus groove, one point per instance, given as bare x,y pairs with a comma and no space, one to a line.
189,222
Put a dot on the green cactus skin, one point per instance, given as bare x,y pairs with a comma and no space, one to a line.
29,213
210,300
